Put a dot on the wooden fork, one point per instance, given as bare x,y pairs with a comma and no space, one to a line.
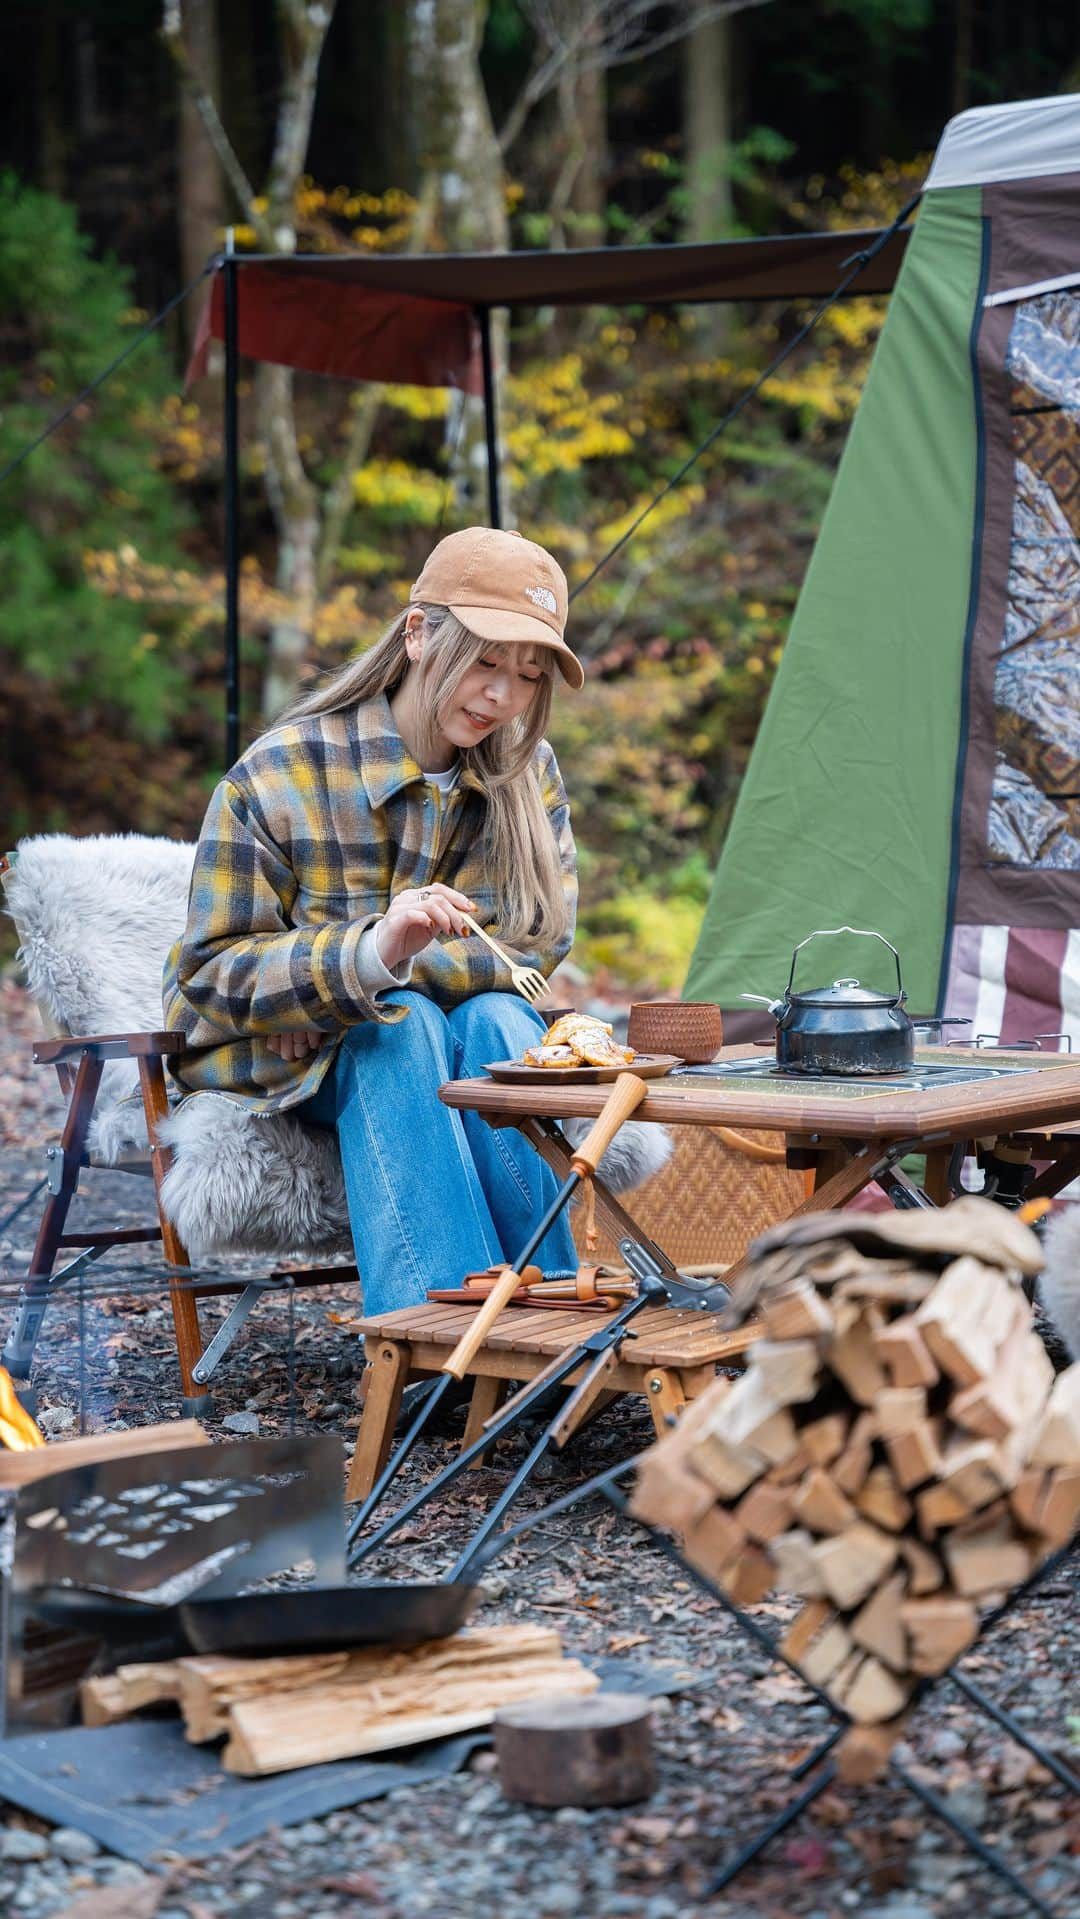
528,982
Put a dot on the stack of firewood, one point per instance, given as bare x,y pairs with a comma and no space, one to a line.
898,1452
305,1709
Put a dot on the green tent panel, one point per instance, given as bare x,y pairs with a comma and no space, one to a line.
912,773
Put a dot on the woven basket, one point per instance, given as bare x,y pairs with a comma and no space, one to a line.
691,1029
709,1202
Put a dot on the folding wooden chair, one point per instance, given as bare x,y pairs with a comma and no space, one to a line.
80,1060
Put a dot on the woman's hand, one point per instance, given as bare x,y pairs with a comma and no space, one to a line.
417,916
295,1045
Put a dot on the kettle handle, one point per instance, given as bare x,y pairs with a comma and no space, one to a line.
860,932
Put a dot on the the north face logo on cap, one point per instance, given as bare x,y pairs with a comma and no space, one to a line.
542,596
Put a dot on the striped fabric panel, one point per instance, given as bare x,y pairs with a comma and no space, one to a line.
1016,982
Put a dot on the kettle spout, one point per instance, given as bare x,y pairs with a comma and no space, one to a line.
775,1006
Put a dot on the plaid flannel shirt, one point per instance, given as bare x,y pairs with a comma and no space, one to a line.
305,843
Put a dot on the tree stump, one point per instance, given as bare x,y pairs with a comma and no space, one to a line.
576,1752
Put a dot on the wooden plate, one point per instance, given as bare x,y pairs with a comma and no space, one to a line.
646,1066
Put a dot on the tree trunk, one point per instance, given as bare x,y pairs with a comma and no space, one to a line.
460,153
87,115
963,48
293,499
237,40
584,114
200,188
707,128
51,128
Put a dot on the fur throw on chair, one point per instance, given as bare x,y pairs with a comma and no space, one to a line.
1059,1281
96,918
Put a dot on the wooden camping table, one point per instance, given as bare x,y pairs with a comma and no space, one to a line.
844,1137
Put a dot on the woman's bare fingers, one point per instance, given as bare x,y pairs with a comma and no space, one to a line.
294,1046
439,915
451,894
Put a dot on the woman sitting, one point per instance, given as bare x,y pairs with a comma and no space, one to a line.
325,967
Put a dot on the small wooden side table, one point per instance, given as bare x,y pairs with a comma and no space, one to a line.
669,1357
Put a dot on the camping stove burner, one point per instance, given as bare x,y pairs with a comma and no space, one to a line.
922,1077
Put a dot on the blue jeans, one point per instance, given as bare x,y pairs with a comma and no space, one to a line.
433,1193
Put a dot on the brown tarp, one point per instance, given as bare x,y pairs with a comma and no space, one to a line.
411,317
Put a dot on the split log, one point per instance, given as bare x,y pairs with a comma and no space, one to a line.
752,1576
877,1626
904,1353
797,1313
965,1318
924,1569
764,1511
109,1697
862,1755
852,1564
880,1500
915,1455
1057,1435
714,1542
873,1693
851,1356
820,1504
988,1559
797,1571
825,1655
823,1439
939,1631
1059,1509
90,1449
1015,1392
282,1731
789,1369
811,1620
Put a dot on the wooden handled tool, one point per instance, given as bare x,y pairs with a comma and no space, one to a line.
624,1098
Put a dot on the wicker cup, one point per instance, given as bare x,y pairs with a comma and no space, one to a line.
691,1029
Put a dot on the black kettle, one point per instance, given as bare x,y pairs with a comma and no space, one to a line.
844,1028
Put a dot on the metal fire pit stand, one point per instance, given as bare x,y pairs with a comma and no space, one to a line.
766,1643
606,1483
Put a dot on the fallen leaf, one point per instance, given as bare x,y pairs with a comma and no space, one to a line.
808,1856
118,1902
622,1642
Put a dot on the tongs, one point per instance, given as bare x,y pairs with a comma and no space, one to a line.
595,1355
624,1098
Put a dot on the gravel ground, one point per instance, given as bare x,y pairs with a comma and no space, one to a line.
724,1747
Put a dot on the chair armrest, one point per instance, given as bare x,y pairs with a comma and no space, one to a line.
107,1046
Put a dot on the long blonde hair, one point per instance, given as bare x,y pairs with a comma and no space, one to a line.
520,853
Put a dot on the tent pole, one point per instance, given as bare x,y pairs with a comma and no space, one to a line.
232,535
483,316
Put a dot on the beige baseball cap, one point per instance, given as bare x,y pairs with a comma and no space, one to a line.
503,588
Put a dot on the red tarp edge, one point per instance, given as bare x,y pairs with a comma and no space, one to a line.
409,317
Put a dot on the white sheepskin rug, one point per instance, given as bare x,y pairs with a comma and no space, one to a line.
1059,1282
266,1185
96,918
273,1185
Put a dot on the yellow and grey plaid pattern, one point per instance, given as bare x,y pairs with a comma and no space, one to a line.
305,843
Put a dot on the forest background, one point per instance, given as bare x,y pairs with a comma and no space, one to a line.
133,132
